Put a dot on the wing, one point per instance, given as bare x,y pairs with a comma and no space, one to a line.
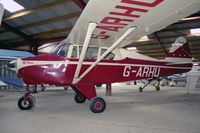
2,83
13,54
114,17
13,81
5,57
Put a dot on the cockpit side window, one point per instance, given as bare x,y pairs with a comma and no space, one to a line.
110,56
74,52
91,52
62,49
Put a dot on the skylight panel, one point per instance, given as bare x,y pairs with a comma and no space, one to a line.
11,5
131,48
195,31
144,37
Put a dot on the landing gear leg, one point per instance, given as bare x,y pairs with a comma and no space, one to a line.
43,87
142,88
35,89
149,81
157,86
27,101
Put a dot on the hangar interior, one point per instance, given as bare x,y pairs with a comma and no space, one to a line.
41,24
50,21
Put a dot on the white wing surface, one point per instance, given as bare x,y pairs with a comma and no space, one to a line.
114,17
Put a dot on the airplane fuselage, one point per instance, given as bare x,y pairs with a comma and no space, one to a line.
53,69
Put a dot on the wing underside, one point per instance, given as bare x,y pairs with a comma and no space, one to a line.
115,17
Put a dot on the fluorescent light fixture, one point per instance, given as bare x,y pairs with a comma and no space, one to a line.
144,37
11,5
195,31
131,48
195,64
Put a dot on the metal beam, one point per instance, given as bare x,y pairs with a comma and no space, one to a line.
46,21
157,54
16,31
40,42
155,44
51,39
188,20
22,35
37,9
65,29
159,42
80,3
179,29
150,50
14,42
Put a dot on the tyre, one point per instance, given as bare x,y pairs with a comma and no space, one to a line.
33,99
158,88
140,89
29,103
97,105
79,98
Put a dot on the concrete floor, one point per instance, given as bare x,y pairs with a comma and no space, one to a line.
169,111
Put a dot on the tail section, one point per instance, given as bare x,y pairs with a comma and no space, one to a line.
180,52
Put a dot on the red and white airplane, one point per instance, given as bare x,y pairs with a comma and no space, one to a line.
93,54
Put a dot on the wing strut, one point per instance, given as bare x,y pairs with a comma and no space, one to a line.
107,52
91,27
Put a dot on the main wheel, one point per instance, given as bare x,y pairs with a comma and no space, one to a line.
140,89
157,88
79,98
97,105
66,88
29,103
33,99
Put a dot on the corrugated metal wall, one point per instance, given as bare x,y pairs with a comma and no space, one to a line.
4,72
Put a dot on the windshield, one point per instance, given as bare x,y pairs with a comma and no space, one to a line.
61,49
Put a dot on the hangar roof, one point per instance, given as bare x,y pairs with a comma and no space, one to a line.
45,21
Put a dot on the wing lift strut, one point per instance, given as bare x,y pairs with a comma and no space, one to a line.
97,104
91,27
